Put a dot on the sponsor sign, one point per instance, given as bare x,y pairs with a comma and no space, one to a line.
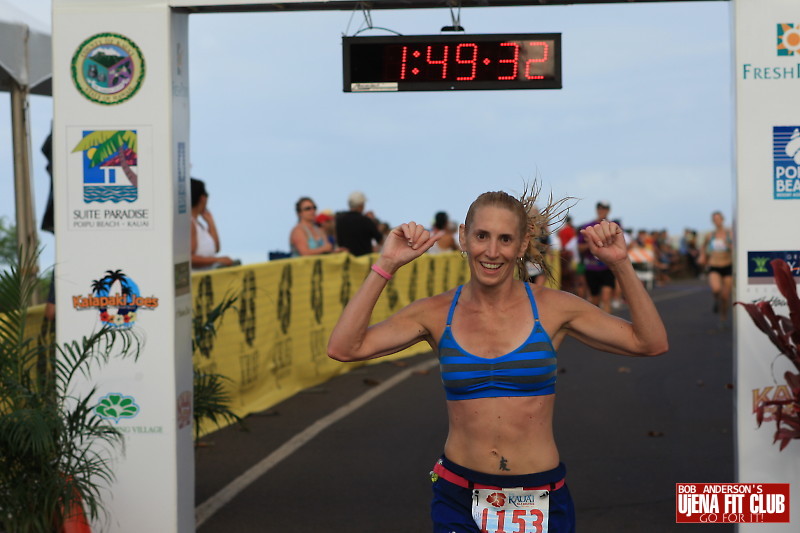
788,46
108,68
759,270
773,398
738,503
788,39
110,181
115,406
117,298
786,162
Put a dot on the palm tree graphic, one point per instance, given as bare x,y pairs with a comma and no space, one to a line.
104,285
106,143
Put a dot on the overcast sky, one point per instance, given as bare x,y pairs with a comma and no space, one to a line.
644,120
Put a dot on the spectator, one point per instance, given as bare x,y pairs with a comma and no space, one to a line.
205,239
442,226
355,230
537,273
568,237
667,259
599,277
690,254
306,238
327,223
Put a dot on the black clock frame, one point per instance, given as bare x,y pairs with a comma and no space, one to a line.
349,62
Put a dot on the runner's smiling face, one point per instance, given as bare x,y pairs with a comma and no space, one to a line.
493,243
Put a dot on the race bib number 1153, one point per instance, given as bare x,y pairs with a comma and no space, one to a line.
511,510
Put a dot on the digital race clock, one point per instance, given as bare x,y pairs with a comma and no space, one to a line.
452,62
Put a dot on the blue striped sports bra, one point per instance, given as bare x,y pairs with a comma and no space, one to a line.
530,370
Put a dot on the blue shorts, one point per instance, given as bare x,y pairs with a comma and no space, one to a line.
451,508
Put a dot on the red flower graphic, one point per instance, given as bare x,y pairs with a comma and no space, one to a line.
497,499
784,333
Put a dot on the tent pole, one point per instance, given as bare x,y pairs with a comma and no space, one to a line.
27,239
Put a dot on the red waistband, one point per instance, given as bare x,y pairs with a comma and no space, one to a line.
455,479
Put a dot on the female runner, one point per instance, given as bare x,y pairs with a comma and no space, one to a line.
717,255
497,340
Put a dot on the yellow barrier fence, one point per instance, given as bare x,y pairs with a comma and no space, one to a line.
273,342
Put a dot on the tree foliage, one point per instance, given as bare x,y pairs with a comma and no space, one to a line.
8,242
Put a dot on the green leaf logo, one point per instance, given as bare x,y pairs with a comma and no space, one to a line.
761,264
114,406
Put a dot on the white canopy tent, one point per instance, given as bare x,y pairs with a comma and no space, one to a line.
25,68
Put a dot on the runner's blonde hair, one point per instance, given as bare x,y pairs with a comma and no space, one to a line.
536,222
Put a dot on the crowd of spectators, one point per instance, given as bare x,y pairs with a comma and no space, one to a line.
354,230
359,232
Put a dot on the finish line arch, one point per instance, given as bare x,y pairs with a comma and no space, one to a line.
143,227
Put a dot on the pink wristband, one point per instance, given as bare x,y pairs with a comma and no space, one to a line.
381,272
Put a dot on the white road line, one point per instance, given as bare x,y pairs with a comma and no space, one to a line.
205,510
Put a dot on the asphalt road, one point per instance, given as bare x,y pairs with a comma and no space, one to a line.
353,455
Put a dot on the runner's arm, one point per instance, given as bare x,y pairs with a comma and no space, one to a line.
645,334
352,339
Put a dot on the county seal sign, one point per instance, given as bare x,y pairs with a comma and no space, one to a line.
108,68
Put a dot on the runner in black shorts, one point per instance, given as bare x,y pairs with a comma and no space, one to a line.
599,278
717,255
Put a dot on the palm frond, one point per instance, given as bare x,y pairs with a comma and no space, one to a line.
211,401
55,450
205,327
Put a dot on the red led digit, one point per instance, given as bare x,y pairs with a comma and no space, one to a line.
514,62
442,62
473,61
403,60
545,54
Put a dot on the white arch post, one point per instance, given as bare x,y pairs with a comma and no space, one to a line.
767,81
121,160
